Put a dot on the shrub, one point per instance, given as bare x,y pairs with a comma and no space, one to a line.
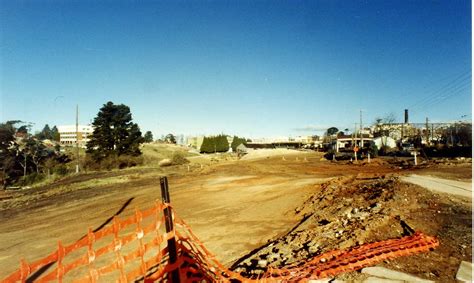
384,150
60,170
31,179
373,150
179,159
124,161
113,162
329,155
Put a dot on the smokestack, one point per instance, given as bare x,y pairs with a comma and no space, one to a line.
406,116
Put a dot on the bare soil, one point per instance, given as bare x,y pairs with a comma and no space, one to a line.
236,206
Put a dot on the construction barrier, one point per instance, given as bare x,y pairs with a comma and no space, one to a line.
138,249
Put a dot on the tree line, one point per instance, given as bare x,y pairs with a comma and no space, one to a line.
25,157
220,143
114,143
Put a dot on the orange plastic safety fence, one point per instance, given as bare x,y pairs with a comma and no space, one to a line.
326,265
123,254
141,254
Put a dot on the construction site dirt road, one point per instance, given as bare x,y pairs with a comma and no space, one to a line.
236,207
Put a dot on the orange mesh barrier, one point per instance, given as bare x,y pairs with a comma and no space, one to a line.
135,249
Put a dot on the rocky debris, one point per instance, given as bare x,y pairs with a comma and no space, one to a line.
341,213
464,273
353,210
382,272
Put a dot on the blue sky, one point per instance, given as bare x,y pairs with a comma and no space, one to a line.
252,68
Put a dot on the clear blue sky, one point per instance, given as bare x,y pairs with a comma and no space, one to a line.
253,68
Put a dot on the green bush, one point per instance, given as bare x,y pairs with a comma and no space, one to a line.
373,150
113,162
384,150
124,161
31,179
60,170
179,159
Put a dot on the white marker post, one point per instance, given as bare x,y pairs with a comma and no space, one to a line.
416,161
368,156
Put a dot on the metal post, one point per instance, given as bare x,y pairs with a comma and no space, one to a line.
165,197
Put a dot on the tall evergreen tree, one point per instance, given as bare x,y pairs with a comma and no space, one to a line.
170,138
55,134
114,133
148,137
207,145
222,144
236,142
45,133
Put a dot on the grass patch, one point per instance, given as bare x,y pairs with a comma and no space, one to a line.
153,153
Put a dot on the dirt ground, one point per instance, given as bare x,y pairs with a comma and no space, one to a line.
236,206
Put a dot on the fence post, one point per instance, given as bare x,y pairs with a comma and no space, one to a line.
165,197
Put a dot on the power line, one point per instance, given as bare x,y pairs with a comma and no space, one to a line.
449,95
454,88
459,79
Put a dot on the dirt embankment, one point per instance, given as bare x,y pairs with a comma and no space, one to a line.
349,211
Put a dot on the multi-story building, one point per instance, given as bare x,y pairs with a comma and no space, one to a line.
69,137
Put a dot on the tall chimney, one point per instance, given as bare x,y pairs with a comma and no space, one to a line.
406,116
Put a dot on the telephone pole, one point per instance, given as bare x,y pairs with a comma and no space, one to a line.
361,136
427,133
77,138
354,136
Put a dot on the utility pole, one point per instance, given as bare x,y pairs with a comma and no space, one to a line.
432,131
427,133
354,141
77,138
361,136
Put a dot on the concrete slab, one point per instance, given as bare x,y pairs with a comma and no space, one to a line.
372,279
383,272
441,185
464,273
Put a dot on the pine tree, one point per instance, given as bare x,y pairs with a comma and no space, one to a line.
170,138
55,134
148,137
114,133
236,142
45,133
206,145
222,144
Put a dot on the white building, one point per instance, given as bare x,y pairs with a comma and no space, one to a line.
68,135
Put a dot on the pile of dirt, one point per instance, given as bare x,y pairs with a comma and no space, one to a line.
350,211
